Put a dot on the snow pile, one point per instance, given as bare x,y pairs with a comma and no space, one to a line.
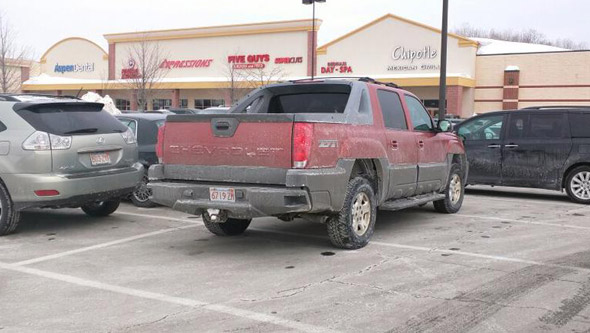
109,105
493,46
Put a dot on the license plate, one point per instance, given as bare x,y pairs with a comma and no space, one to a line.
222,194
100,159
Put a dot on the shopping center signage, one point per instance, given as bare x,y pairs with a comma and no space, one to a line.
250,61
196,63
74,68
131,72
336,67
413,59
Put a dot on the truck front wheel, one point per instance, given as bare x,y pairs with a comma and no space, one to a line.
454,192
231,227
353,226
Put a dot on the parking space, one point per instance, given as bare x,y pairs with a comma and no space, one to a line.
511,260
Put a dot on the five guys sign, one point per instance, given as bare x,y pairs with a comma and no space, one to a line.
259,61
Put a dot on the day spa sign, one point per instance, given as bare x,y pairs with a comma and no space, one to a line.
407,59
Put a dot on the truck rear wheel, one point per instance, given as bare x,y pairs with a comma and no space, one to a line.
9,218
231,227
454,192
354,225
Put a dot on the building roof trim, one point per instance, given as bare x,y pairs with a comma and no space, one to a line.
463,41
215,31
42,60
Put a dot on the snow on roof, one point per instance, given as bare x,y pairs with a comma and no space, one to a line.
493,46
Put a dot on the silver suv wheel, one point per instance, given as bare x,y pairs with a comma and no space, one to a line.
580,185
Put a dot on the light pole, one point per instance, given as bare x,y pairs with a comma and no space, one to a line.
442,85
313,33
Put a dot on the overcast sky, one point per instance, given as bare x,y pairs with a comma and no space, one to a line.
40,23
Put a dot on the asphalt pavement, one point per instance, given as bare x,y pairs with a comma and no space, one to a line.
511,260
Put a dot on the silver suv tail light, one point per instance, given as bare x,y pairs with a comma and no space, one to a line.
45,141
129,136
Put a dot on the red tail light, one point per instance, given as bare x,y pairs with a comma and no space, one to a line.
302,137
160,143
46,193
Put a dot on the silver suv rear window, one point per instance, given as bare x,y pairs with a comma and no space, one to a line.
71,119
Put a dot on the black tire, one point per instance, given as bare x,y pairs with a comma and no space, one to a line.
577,184
451,204
9,217
140,197
231,227
342,229
101,208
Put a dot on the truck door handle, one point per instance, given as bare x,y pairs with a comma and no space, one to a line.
394,145
510,146
421,144
493,146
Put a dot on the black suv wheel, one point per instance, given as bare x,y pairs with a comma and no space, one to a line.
354,225
577,184
141,196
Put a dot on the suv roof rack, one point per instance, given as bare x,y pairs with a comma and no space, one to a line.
557,107
358,78
8,97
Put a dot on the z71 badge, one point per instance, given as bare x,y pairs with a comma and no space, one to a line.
328,144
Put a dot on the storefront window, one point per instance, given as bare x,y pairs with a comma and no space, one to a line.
123,104
183,103
207,103
159,104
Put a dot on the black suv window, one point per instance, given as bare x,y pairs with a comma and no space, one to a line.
580,124
536,126
518,126
546,126
420,117
2,127
393,112
483,128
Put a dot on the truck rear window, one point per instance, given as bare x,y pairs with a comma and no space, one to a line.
71,120
309,103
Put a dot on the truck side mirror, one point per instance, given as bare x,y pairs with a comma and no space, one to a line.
445,126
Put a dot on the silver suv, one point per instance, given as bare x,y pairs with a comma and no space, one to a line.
62,152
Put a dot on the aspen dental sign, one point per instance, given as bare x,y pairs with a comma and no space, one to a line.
74,68
413,59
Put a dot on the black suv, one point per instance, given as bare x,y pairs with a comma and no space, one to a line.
540,147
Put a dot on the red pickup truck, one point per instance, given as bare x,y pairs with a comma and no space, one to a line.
331,151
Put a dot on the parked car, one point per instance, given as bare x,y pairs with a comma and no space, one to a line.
183,111
62,152
214,110
330,151
145,128
454,121
542,147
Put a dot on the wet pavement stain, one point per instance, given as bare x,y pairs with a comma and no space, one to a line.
328,253
446,254
289,267
454,249
578,214
485,236
497,227
202,240
50,234
505,222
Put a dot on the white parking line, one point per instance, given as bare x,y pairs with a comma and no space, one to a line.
432,249
493,218
236,312
99,246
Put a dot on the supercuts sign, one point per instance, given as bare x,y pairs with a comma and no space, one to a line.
248,61
196,63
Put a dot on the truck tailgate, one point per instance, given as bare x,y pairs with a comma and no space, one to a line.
240,140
